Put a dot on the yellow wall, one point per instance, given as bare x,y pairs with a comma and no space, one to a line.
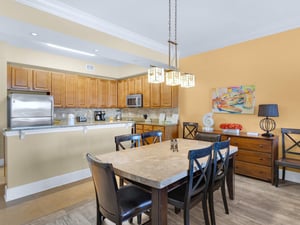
270,63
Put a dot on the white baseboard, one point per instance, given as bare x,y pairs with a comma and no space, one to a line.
290,176
1,162
42,185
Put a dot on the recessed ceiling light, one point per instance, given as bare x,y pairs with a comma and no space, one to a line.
34,34
70,49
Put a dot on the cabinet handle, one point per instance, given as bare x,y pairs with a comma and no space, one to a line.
261,146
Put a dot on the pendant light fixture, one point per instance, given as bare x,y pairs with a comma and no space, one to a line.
173,75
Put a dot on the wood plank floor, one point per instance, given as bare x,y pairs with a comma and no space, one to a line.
256,203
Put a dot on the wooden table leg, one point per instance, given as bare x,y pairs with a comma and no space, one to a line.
230,177
159,210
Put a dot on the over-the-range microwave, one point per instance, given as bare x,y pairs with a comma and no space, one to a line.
134,101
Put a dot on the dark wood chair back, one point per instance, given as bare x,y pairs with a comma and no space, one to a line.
202,136
189,130
290,152
151,137
135,140
195,190
219,173
113,203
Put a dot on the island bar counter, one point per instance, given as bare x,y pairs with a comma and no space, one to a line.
42,158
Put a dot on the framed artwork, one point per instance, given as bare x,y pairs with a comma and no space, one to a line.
237,99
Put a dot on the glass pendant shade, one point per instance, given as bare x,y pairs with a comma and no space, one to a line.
156,75
173,78
187,80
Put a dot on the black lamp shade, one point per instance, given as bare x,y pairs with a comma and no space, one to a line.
268,110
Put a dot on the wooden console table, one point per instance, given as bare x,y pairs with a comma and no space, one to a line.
256,155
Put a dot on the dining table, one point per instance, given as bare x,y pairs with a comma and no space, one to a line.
160,168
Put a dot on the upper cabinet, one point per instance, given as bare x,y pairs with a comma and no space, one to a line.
122,93
82,91
58,81
70,90
41,80
112,92
92,92
21,78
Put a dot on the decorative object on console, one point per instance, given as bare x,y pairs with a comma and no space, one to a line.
268,124
208,122
231,128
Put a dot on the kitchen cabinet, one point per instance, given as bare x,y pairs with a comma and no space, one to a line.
256,155
70,90
130,86
169,131
93,93
58,89
155,95
102,93
19,78
138,85
112,90
168,96
146,92
41,80
81,92
122,93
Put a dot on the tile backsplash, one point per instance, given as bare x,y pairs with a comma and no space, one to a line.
127,113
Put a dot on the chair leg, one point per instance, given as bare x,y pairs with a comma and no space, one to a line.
283,173
121,182
99,217
205,210
139,219
224,198
276,175
211,207
186,216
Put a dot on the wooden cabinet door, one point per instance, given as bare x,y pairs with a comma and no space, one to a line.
146,92
20,78
122,93
102,93
58,89
92,93
82,84
70,90
169,96
155,95
41,80
138,85
165,96
112,93
130,86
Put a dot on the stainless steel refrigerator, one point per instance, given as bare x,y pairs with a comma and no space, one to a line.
29,110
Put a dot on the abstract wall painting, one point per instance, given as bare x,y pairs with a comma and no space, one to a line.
236,99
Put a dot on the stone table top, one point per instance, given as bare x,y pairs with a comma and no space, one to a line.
155,165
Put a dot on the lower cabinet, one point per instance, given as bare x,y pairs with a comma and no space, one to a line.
169,131
256,155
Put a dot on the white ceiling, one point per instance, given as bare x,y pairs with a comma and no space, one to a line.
135,32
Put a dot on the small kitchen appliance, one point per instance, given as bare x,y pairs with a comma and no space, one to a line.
99,115
134,101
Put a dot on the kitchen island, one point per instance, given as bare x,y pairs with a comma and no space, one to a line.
37,159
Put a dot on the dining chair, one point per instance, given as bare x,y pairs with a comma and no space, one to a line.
202,136
220,164
113,203
189,130
120,140
134,139
290,152
151,137
194,191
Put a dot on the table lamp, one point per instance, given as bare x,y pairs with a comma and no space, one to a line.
268,124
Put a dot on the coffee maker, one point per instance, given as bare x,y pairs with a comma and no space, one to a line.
99,115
